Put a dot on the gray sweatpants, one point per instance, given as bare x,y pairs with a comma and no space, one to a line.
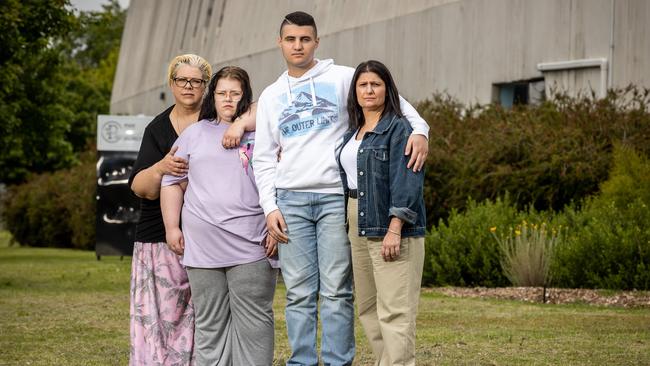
233,307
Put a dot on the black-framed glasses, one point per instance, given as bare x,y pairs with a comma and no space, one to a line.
182,82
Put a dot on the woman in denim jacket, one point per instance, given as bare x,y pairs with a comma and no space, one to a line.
385,209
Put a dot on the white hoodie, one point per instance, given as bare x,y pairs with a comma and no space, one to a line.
306,117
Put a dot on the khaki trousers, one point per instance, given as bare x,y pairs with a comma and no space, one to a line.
386,293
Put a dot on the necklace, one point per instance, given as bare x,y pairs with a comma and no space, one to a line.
177,122
174,125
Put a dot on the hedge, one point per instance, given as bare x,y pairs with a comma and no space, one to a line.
54,209
546,156
604,242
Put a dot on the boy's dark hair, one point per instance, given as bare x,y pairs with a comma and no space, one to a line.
208,108
391,103
299,18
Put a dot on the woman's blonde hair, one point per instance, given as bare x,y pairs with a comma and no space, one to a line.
190,60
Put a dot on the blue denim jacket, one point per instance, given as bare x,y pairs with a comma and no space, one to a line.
385,186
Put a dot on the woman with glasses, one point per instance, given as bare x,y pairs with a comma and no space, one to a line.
223,239
161,313
386,215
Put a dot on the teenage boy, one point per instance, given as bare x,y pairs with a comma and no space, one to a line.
304,115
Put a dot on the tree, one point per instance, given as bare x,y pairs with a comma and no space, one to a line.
57,74
93,50
34,118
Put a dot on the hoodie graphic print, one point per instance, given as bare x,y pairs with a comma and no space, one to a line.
313,108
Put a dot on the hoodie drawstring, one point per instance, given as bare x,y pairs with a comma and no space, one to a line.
289,96
313,91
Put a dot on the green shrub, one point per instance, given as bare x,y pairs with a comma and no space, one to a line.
546,156
608,241
605,240
463,251
629,179
54,209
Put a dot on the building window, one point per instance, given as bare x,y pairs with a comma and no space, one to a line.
519,93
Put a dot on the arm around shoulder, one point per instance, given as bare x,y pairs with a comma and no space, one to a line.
417,146
419,125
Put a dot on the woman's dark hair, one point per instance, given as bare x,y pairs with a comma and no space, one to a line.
391,103
209,109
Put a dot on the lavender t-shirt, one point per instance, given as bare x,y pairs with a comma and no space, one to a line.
222,222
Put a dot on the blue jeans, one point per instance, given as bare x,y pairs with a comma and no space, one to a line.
316,265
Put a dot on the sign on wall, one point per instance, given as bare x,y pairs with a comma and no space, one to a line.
120,133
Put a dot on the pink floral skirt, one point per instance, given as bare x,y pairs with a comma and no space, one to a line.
162,316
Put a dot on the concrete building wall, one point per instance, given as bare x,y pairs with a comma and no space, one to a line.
462,47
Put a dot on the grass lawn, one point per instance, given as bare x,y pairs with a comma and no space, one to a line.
63,307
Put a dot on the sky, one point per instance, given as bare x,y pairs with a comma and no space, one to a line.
88,5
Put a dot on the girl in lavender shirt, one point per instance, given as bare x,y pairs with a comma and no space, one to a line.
224,242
